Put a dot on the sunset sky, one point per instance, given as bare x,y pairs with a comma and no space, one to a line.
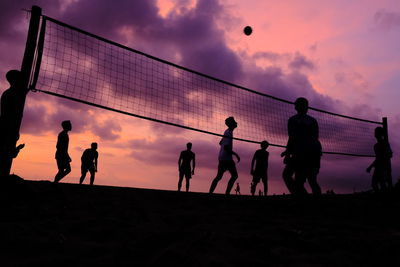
342,52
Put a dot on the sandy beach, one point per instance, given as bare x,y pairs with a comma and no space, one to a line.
81,225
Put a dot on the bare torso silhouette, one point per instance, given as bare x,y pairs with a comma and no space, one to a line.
186,156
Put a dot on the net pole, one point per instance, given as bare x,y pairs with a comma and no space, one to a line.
30,47
8,143
386,133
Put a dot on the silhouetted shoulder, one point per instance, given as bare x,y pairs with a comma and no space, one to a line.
187,154
89,154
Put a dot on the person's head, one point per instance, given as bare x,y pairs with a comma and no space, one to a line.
66,125
189,146
13,77
264,144
93,146
231,123
379,133
301,105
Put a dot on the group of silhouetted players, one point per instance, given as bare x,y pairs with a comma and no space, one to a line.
302,158
88,159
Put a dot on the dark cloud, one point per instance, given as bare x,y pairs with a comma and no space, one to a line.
107,130
301,62
38,119
386,20
34,120
165,151
353,79
295,62
105,17
14,22
271,56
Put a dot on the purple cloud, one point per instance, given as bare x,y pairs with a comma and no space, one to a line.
386,20
107,130
301,62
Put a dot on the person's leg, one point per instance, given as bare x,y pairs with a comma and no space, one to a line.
5,165
83,174
67,170
221,170
374,182
7,147
299,181
287,176
92,176
313,171
180,181
300,177
382,181
315,188
388,176
254,185
60,167
234,176
187,183
265,182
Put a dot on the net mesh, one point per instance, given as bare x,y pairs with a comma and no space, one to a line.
80,66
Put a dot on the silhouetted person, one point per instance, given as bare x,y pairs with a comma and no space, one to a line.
12,101
89,163
260,172
288,172
226,162
260,193
305,148
383,154
185,158
62,157
237,189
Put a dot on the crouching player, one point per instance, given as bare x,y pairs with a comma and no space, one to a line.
89,163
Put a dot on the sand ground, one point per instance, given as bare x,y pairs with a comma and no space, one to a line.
74,225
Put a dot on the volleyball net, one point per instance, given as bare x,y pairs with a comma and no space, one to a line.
80,66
